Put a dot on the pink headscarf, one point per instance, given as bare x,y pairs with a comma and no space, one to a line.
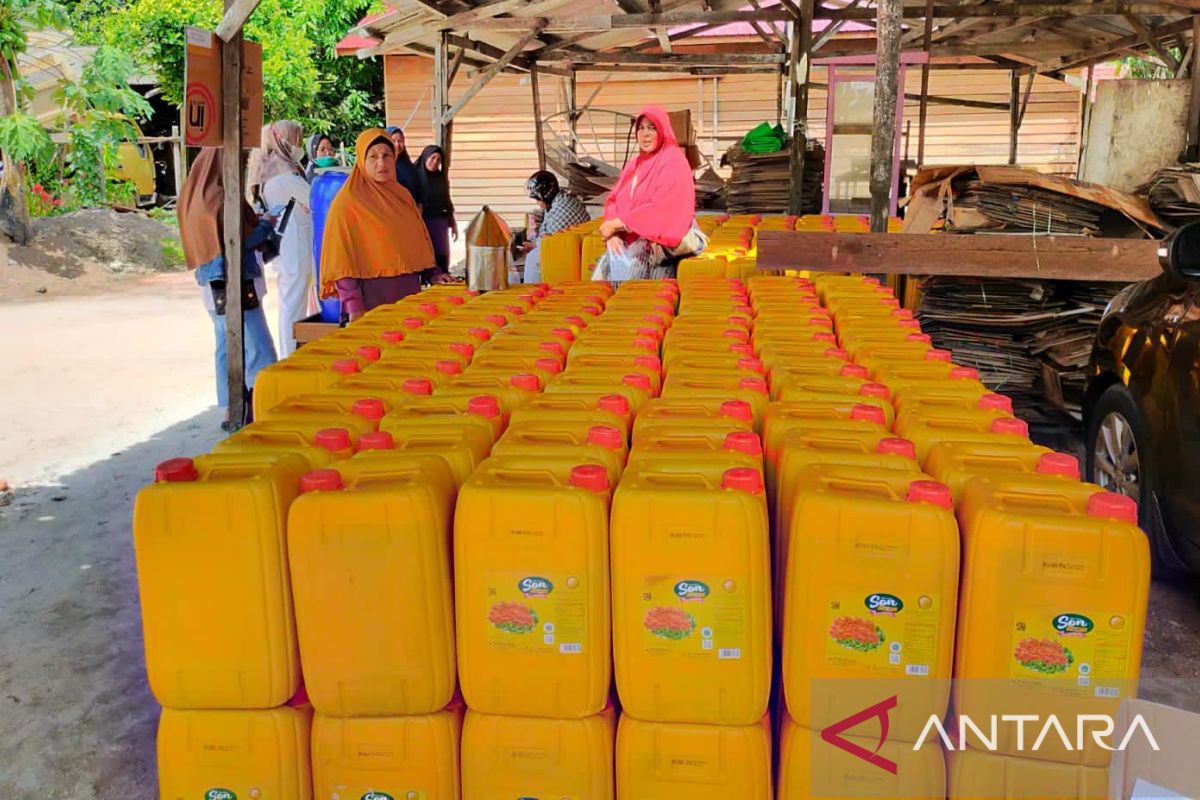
662,205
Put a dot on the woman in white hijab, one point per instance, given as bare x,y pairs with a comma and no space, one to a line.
278,178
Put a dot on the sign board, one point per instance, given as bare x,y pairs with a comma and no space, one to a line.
202,100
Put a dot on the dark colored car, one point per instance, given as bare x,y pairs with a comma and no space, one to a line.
1142,407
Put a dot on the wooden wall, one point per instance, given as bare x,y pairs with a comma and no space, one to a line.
493,139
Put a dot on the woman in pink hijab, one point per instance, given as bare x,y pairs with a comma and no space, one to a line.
651,212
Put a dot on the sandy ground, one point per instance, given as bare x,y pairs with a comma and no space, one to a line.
104,388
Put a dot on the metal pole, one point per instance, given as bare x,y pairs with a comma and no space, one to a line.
231,134
177,160
883,137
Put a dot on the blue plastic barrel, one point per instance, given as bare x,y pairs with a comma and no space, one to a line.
324,188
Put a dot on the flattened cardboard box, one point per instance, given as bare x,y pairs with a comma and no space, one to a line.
1139,772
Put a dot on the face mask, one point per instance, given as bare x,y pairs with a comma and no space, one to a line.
324,162
293,151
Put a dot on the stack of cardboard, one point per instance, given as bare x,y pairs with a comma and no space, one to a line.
1029,339
1174,194
760,183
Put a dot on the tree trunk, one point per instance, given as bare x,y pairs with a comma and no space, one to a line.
14,210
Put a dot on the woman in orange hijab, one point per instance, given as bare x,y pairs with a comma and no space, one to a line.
376,249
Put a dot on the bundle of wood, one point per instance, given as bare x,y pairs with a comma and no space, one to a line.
760,183
998,199
1029,339
1174,194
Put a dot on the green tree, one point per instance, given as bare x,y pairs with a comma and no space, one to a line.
21,137
303,79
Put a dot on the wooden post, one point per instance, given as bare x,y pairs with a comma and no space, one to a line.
177,160
1193,148
231,136
1085,115
573,111
923,115
441,91
1014,114
799,60
538,138
883,137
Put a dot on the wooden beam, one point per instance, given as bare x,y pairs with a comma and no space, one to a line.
694,59
923,113
728,69
1086,116
1151,38
1014,111
1025,99
774,40
538,139
1193,146
520,63
584,23
991,10
799,64
486,76
236,14
441,91
792,8
1101,51
233,181
486,11
1078,258
883,134
573,109
454,65
674,37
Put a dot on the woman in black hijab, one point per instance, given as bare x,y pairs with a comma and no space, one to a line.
406,171
436,207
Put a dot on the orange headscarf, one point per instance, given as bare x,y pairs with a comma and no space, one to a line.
374,230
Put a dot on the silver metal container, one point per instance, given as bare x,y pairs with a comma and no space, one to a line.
489,252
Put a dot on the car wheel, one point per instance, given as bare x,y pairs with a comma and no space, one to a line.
1118,459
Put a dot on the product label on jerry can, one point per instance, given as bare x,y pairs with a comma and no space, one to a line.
1070,652
694,617
882,632
537,613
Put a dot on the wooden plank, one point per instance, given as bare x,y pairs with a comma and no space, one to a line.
232,178
654,59
987,256
491,72
600,22
441,92
1151,38
1107,48
1014,10
883,135
1014,111
236,14
1194,109
486,11
923,114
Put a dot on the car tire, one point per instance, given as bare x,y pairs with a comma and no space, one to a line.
1119,459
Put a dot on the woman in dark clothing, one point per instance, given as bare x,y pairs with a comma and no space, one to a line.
406,170
321,155
436,207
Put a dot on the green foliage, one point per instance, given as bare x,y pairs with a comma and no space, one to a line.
1134,67
172,252
303,79
22,138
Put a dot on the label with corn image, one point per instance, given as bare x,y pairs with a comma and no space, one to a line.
693,617
882,632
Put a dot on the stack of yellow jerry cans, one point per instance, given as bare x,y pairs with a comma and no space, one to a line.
813,556
691,567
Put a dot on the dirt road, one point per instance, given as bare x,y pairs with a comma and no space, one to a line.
97,391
